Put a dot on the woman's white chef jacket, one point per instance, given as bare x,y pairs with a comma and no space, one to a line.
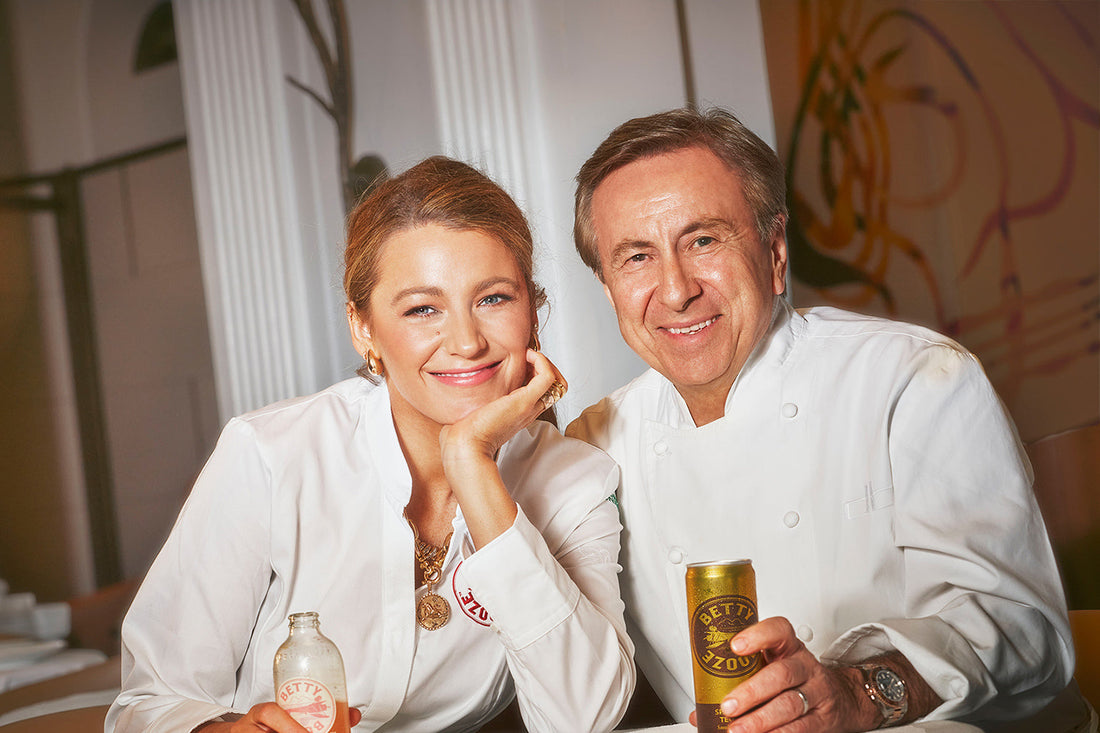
871,474
300,508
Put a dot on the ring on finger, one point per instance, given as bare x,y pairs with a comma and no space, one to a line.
555,393
805,702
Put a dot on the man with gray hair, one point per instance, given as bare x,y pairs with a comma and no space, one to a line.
866,467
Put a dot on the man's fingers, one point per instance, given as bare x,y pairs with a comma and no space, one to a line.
773,635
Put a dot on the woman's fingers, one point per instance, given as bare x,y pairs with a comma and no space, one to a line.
546,383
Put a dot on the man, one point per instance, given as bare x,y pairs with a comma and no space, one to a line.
866,467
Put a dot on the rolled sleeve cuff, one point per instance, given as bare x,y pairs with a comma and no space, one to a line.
936,651
177,715
520,584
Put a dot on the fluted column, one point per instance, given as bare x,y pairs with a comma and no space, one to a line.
480,97
248,217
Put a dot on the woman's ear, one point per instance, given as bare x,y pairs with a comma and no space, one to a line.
360,332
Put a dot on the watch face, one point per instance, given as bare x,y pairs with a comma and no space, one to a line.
889,685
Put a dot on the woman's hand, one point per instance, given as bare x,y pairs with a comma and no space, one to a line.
267,717
481,433
469,448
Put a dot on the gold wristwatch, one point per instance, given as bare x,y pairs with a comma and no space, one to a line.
887,691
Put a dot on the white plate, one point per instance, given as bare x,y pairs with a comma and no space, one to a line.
14,653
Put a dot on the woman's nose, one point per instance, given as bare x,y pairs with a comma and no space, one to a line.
464,336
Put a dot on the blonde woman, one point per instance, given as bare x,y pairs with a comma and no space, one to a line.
459,551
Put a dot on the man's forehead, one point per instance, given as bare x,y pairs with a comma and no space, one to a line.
690,183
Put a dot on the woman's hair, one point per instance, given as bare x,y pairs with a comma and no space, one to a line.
440,191
762,176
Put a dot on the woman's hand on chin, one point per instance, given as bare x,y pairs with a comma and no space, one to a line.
469,449
479,435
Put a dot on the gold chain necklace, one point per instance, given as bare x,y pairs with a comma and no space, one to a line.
432,611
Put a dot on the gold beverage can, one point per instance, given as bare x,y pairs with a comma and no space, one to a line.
721,600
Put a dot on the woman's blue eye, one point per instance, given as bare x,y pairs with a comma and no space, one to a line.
420,310
495,299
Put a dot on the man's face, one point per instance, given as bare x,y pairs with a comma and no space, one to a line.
691,283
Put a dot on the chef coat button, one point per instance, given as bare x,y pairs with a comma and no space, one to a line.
675,556
805,633
790,409
660,447
791,519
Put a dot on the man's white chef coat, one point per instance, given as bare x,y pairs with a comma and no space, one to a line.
300,509
873,477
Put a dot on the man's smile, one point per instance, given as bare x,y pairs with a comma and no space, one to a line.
694,328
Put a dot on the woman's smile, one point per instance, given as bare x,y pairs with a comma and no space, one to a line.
467,377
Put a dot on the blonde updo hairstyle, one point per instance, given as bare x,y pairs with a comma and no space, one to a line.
439,191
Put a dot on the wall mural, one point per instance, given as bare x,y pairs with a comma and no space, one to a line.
942,163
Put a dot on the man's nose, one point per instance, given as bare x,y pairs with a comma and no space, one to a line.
464,336
678,286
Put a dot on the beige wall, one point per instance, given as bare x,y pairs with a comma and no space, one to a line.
28,493
79,103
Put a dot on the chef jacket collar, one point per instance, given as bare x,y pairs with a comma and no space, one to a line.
770,354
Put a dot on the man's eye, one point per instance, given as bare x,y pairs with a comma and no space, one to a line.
704,241
640,257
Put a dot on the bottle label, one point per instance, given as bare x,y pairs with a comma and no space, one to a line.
310,703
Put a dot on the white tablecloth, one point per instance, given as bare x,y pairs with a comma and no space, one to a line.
938,726
54,665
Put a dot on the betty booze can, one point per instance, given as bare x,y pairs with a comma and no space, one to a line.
721,600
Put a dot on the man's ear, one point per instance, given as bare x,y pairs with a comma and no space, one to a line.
607,292
778,250
360,331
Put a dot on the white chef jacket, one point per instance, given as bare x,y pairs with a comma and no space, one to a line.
873,477
299,508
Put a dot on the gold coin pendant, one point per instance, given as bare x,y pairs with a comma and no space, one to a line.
432,612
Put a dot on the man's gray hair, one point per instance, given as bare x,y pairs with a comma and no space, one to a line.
750,158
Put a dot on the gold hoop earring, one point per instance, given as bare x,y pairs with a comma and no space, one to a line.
374,364
535,341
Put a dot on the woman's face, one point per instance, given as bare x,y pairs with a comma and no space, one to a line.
450,319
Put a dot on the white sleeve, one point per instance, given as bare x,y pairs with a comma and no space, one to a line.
190,623
985,617
560,619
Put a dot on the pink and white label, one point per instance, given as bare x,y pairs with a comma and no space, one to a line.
310,703
468,603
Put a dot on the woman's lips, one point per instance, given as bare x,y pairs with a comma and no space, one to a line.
468,377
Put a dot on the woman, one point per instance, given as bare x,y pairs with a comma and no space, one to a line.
456,548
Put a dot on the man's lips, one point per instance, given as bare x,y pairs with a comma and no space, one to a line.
690,329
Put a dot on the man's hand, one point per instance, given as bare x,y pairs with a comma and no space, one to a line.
268,718
770,700
796,693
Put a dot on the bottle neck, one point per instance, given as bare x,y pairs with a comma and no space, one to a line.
305,622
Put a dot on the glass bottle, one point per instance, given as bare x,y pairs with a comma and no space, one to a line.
309,677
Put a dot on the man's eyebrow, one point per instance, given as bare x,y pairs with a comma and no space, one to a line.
709,223
628,246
